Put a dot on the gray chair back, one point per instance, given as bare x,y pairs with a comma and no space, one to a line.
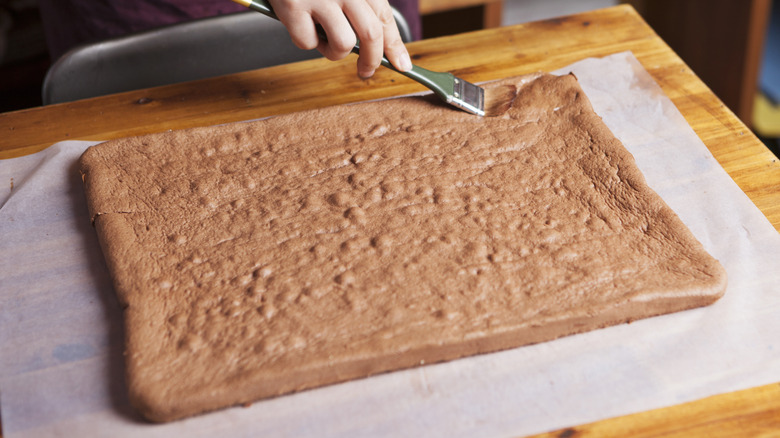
181,52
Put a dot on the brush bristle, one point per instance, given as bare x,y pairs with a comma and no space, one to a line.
499,99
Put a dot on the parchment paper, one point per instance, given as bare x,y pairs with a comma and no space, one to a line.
61,363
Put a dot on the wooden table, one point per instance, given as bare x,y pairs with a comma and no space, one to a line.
479,56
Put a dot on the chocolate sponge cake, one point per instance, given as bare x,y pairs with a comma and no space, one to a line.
257,259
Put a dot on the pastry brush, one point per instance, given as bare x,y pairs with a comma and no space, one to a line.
461,94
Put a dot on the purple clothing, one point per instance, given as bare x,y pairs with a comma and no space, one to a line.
410,9
68,23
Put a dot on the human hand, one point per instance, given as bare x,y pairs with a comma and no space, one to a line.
345,22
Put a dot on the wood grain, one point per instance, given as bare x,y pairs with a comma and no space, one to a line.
749,413
478,56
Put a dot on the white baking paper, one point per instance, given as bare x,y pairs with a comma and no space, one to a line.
61,365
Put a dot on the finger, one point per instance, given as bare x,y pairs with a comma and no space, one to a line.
299,23
369,32
340,36
393,45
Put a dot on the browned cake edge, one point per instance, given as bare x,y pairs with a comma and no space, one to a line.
154,405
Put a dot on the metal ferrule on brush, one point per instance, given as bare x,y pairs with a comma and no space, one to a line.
468,97
455,91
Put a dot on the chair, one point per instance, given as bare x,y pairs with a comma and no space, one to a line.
181,52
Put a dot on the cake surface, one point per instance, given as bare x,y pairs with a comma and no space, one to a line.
257,259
